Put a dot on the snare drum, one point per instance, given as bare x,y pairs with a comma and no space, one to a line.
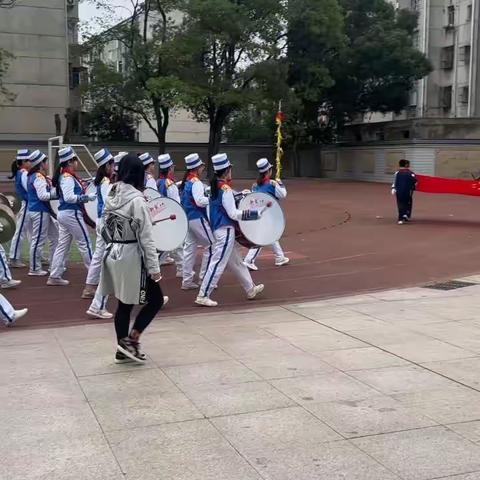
90,209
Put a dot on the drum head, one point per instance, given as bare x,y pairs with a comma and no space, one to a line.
151,193
91,207
170,223
7,219
5,201
15,203
270,227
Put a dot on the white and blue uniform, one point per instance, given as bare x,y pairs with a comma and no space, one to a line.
195,204
277,190
23,225
223,217
5,274
70,219
43,225
149,181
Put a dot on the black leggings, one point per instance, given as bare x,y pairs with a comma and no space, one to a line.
154,299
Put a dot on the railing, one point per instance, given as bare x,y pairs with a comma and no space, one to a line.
53,148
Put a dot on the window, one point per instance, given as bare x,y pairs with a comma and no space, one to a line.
469,13
446,57
120,66
451,15
446,97
463,95
464,54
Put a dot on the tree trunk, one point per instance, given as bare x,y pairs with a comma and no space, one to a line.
296,160
161,117
217,121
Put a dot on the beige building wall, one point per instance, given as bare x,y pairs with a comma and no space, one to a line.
35,32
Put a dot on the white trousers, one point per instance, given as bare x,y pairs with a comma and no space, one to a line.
99,301
22,232
71,227
5,275
253,253
7,312
95,268
199,233
225,254
43,227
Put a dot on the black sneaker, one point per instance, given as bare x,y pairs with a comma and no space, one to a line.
130,349
121,358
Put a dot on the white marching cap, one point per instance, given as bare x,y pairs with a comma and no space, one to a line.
264,165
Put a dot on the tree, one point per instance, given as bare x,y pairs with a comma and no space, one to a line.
144,86
227,56
5,59
107,121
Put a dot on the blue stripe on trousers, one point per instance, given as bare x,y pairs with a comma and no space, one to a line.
84,235
4,313
20,231
4,266
36,243
256,254
218,263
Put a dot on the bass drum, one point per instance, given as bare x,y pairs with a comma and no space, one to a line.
170,223
151,193
267,229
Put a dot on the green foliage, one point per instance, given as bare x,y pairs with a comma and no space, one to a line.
5,59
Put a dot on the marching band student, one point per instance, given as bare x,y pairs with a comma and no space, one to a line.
43,225
403,186
97,308
149,165
19,172
276,189
8,314
71,224
6,280
168,188
131,270
194,202
223,216
116,163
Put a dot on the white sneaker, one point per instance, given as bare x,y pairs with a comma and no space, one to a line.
17,315
179,274
257,289
165,301
282,261
16,264
251,266
167,261
190,286
205,302
57,282
37,273
400,222
100,314
10,283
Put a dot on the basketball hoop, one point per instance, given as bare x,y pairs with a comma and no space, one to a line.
7,3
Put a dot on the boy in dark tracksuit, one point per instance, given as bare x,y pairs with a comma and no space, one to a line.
403,187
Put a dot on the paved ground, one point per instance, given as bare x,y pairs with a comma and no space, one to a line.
342,238
373,387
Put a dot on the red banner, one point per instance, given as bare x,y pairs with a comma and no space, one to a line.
448,185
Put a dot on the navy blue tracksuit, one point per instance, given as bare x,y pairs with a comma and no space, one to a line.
404,185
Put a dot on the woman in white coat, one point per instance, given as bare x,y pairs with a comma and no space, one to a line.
43,225
223,217
131,271
70,190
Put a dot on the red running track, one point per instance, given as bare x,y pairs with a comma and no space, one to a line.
342,239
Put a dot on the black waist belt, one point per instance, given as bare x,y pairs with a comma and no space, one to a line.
123,242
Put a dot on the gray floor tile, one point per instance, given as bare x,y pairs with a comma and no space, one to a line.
324,388
423,454
371,416
183,451
470,430
328,341
284,365
361,359
447,405
394,380
387,335
249,348
136,399
223,373
218,400
85,457
324,461
466,371
34,363
274,429
428,351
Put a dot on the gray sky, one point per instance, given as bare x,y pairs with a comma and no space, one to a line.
87,11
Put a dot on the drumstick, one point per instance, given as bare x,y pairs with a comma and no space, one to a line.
171,217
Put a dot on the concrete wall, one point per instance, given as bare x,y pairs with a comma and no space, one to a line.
35,32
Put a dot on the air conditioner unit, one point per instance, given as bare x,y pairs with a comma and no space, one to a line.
71,3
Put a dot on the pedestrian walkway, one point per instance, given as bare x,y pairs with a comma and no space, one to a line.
373,387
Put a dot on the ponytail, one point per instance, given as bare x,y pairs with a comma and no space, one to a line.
261,178
214,182
34,169
14,168
101,173
184,179
56,175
